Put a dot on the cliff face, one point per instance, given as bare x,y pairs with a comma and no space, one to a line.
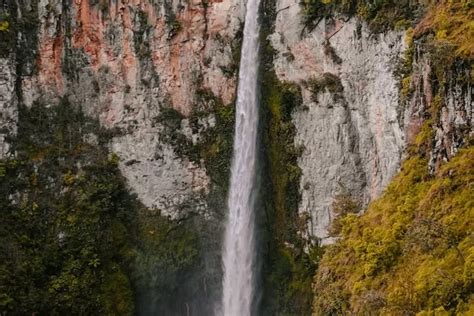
356,122
451,120
8,103
126,61
349,124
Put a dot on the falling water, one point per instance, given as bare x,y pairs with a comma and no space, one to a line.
239,244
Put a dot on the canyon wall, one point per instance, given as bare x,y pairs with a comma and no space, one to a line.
125,63
129,63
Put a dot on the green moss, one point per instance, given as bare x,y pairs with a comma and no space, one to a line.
408,253
288,267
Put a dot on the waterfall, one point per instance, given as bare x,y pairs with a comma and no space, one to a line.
239,240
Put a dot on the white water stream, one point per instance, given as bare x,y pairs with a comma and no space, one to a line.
239,258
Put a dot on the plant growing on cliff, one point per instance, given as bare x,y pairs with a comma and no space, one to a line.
290,259
343,205
328,82
72,238
69,220
4,25
381,15
411,251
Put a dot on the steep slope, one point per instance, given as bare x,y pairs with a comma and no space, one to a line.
411,252
157,79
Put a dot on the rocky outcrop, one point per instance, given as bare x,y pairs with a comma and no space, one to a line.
449,106
8,104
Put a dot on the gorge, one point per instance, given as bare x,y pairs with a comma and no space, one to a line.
124,124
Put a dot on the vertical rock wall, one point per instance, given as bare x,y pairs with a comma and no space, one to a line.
349,125
124,62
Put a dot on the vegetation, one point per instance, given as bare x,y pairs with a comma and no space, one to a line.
66,217
210,146
450,21
140,45
411,251
381,15
327,83
287,268
72,239
13,19
343,204
214,145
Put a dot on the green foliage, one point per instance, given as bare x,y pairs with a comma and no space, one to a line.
381,15
166,254
7,38
217,142
451,23
15,18
72,239
171,134
343,204
212,125
4,25
214,146
410,252
67,219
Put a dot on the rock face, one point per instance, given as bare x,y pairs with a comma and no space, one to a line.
123,62
8,104
350,129
354,125
456,114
